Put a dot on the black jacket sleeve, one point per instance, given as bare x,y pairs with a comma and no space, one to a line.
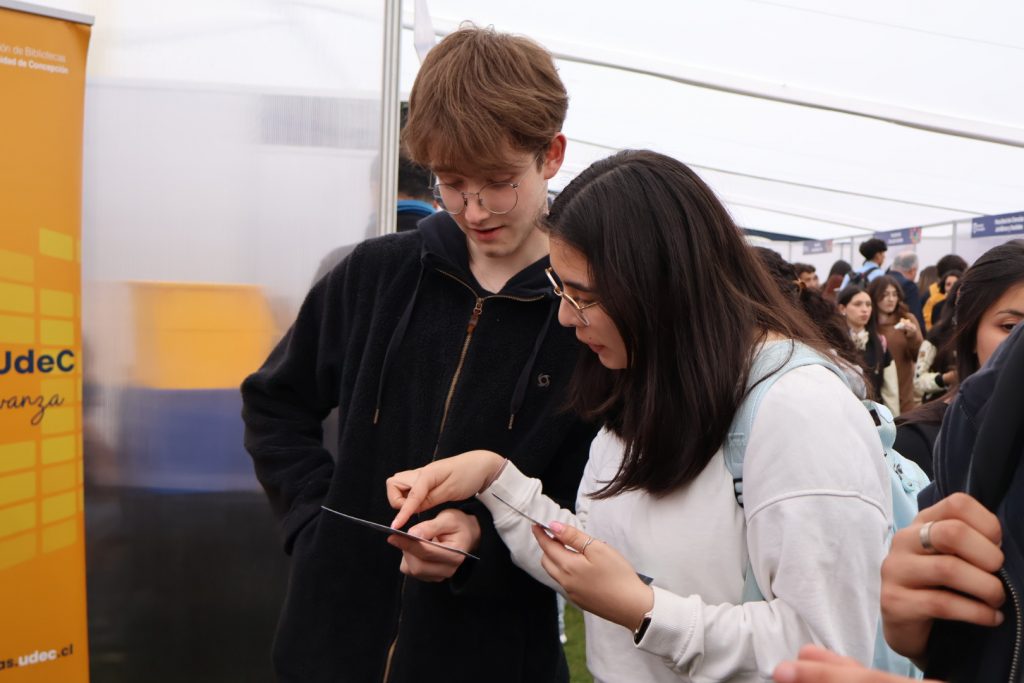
286,400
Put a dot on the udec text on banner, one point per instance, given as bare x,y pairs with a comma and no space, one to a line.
42,545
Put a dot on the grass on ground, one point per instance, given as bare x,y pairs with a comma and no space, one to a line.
576,647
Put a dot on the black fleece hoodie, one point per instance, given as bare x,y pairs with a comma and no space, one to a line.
423,364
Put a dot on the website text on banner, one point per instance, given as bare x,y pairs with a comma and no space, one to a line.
1007,224
42,545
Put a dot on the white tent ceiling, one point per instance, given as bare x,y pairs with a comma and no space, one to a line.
667,76
786,107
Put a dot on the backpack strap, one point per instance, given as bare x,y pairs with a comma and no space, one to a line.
772,362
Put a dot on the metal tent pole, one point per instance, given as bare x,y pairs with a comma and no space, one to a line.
390,106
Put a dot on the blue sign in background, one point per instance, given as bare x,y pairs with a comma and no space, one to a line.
818,247
994,226
898,238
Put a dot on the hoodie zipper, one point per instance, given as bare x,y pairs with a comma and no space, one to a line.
394,641
1015,663
474,318
478,308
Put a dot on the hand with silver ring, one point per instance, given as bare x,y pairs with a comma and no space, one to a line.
942,571
925,536
594,576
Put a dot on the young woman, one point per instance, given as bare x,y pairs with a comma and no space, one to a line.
901,331
988,302
945,284
671,307
854,304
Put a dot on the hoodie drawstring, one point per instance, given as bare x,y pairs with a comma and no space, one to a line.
519,395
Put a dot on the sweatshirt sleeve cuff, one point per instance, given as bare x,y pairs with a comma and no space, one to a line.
673,626
514,488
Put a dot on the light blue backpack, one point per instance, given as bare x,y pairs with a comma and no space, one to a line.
905,477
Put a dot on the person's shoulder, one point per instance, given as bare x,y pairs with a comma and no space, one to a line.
407,244
382,256
811,384
372,259
815,402
812,433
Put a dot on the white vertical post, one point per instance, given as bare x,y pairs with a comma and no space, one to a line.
952,242
389,118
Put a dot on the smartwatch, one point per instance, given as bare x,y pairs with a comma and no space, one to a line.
638,634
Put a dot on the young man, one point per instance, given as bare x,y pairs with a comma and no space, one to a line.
807,274
873,251
431,342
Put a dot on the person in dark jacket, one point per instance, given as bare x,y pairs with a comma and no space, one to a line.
430,342
985,304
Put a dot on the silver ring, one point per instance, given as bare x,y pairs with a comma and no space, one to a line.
925,534
584,548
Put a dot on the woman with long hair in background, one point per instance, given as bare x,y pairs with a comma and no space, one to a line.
902,334
854,304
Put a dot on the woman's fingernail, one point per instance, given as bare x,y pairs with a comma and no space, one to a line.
1000,617
557,527
785,673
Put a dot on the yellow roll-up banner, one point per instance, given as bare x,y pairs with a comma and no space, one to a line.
43,628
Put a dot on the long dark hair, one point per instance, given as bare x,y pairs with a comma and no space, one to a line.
874,354
985,281
820,311
876,290
690,301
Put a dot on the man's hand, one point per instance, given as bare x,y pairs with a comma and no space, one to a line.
424,562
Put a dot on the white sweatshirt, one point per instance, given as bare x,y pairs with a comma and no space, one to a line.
817,506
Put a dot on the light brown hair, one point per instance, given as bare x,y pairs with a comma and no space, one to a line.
481,96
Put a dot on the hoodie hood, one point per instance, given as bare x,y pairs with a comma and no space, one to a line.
444,248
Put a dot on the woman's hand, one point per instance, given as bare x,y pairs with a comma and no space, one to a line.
955,580
456,478
912,332
818,665
595,577
425,562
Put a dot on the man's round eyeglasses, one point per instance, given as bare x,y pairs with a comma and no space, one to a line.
577,307
499,198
